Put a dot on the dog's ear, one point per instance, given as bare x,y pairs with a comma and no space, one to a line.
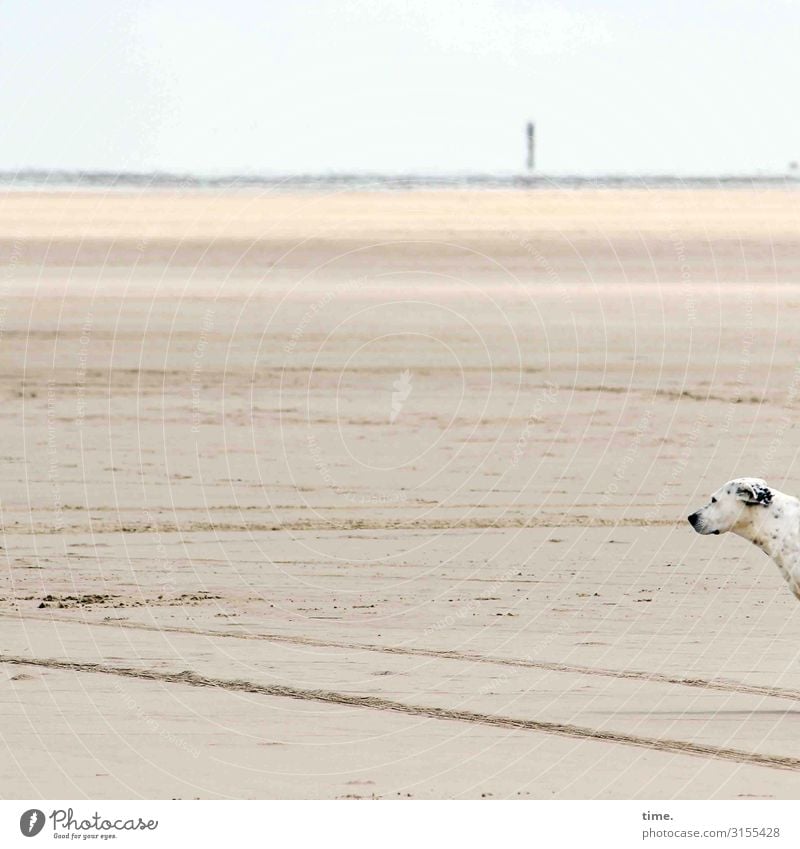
754,492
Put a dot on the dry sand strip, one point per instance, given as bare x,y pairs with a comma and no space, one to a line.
524,663
377,703
163,218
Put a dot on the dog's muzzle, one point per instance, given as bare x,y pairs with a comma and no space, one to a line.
694,521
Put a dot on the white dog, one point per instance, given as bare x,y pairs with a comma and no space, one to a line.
768,518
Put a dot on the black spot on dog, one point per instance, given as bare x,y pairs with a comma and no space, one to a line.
753,494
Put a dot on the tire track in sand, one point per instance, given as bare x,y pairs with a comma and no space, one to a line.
681,747
444,654
96,526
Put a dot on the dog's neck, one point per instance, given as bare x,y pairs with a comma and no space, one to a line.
769,529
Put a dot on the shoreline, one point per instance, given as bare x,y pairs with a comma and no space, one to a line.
68,180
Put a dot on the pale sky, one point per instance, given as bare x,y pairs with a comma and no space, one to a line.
624,86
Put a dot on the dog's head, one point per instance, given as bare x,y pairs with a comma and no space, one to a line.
731,506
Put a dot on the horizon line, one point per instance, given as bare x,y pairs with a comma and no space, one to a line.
384,179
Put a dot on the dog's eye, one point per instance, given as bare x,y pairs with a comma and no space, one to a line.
713,500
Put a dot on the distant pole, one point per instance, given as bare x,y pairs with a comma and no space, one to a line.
531,142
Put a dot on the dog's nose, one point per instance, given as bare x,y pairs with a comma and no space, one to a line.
693,519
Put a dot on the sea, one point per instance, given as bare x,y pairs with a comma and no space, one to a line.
109,181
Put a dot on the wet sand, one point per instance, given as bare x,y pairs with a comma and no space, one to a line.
384,495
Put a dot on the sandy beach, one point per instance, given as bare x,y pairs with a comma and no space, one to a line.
383,495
